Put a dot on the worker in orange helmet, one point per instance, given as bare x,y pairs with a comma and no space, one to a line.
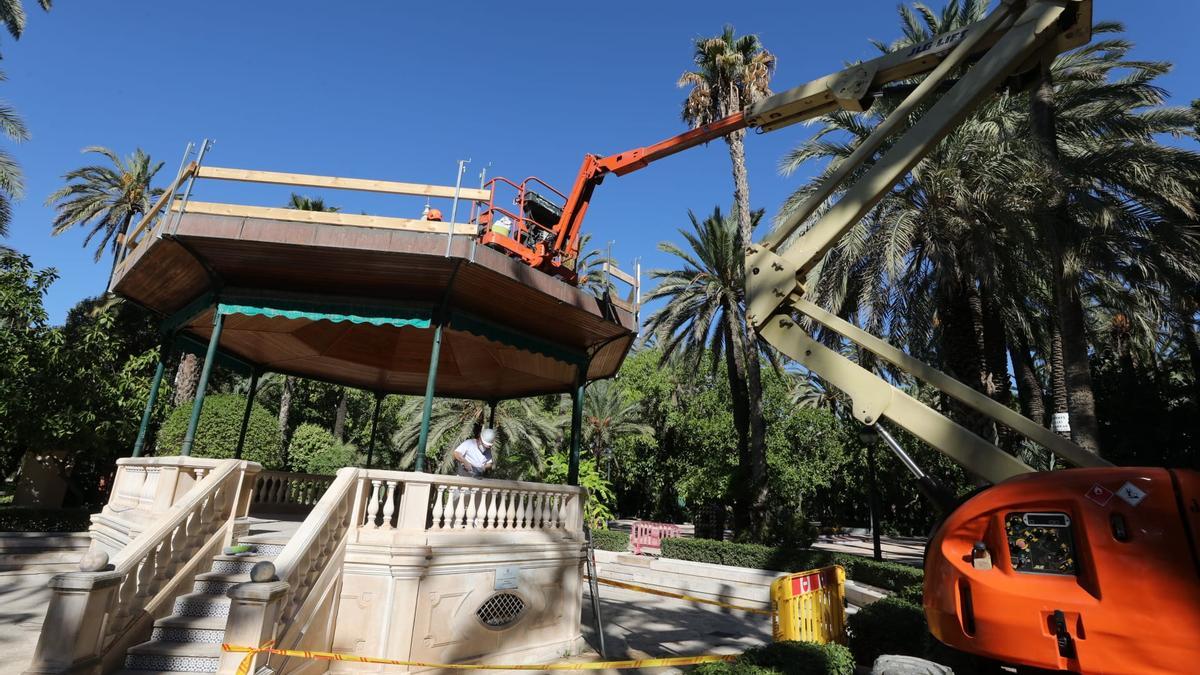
431,214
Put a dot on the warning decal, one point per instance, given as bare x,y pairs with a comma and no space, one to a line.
1099,494
1131,493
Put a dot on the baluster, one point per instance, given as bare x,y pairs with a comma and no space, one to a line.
125,600
531,511
457,507
520,521
373,504
163,566
389,506
562,511
471,521
178,546
438,508
544,512
200,473
504,518
488,498
145,574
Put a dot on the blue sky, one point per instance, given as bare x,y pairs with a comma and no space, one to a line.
402,90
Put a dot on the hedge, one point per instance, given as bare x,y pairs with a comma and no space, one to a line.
217,434
315,450
787,658
889,576
889,626
610,540
19,519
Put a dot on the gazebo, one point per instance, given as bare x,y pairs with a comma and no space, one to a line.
385,304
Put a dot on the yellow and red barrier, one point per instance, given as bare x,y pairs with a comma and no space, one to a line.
810,606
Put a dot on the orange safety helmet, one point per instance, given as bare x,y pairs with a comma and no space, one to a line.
433,214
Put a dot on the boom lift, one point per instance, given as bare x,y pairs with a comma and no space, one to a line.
1089,569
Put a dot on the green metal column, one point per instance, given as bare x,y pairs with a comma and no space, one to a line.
237,453
374,426
576,426
163,354
492,414
427,410
189,439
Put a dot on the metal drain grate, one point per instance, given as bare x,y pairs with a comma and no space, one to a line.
501,610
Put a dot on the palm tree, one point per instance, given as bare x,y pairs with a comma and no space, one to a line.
731,74
12,15
705,310
590,268
954,262
106,198
607,416
12,183
525,429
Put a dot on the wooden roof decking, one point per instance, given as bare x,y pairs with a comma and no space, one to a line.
512,331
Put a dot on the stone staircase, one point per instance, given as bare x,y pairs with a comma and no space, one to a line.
189,640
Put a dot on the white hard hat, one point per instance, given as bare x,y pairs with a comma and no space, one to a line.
487,437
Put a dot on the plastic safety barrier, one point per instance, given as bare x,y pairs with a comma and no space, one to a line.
650,535
810,606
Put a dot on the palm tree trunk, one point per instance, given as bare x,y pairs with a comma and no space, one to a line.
339,420
1029,388
187,377
1055,226
1192,343
741,183
285,413
1058,378
962,349
743,499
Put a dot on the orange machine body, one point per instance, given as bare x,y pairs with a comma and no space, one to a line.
1085,570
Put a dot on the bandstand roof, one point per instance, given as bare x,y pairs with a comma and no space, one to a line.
352,300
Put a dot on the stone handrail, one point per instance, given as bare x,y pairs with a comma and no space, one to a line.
309,564
94,616
399,500
285,491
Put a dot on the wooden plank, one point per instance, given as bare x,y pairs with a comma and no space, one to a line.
326,218
619,274
334,182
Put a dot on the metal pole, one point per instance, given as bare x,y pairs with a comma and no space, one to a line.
462,167
576,426
190,438
237,453
874,497
941,499
187,193
594,589
150,400
427,410
374,426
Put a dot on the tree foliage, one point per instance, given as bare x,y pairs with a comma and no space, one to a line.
315,450
217,432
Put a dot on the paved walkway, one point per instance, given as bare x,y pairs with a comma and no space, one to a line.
906,550
23,600
638,626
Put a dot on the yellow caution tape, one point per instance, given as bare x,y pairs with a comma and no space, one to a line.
244,666
681,596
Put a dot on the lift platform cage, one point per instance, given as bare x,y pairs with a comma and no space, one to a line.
810,606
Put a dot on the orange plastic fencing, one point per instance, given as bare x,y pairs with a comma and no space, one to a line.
647,534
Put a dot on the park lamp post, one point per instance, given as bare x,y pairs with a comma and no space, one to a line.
870,439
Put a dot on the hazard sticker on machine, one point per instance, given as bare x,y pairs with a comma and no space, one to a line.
1099,494
1131,493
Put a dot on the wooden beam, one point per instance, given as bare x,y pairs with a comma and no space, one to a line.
612,270
325,217
166,196
333,182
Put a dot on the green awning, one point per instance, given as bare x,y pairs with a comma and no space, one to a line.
417,318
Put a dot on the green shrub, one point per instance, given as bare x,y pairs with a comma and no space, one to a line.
888,576
315,450
914,593
610,540
787,658
889,626
19,519
217,434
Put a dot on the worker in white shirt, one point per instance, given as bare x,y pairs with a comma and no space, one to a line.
474,455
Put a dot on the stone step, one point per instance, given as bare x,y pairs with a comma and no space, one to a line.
127,671
235,564
196,629
218,583
192,657
201,604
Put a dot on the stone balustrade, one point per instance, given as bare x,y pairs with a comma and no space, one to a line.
94,617
284,492
144,489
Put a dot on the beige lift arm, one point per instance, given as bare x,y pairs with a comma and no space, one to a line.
1016,37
